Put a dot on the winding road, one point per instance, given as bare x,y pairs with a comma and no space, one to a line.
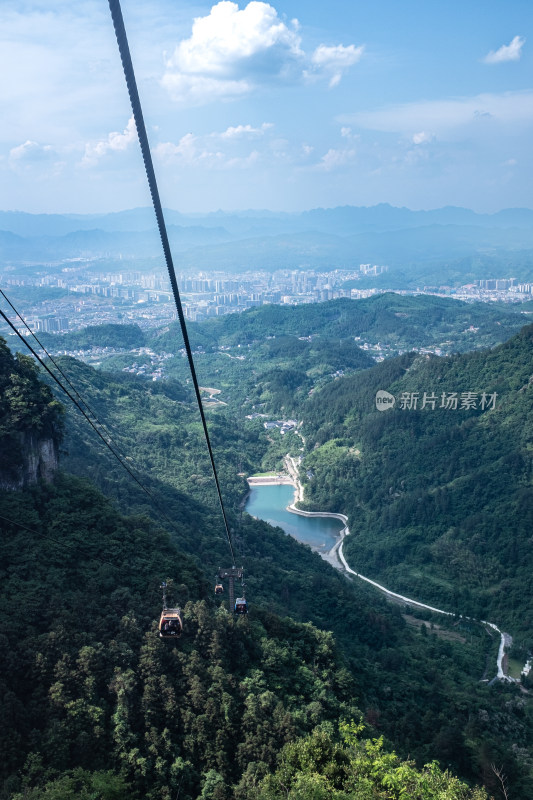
336,558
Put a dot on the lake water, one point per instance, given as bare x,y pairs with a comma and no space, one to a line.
269,503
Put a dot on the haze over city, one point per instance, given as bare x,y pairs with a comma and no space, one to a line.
285,106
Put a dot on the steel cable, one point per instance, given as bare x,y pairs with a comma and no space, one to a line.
127,65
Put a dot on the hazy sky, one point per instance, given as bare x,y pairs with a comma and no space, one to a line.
282,106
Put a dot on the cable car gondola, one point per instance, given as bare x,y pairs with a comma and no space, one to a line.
241,606
219,589
170,624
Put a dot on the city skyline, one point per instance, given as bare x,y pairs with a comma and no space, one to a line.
283,106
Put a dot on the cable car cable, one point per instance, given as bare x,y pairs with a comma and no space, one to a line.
70,396
127,65
58,367
104,427
62,373
108,438
90,421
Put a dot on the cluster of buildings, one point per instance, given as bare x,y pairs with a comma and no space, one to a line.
503,290
150,364
50,324
280,424
91,295
506,284
210,297
372,269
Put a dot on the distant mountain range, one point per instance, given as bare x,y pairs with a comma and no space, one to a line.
322,239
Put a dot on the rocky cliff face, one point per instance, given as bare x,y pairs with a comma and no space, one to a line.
36,459
30,423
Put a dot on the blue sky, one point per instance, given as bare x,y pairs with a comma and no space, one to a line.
282,106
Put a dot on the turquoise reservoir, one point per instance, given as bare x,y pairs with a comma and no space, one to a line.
269,503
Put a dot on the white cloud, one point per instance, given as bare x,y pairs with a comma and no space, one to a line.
452,117
334,159
34,157
335,60
185,151
227,37
229,50
237,147
415,156
196,90
243,162
507,52
115,142
194,151
240,131
423,137
232,51
29,151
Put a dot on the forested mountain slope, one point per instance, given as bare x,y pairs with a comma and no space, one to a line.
402,320
86,682
422,692
439,492
268,359
95,705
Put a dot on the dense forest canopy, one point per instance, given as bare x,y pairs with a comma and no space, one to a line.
96,705
410,321
440,499
95,702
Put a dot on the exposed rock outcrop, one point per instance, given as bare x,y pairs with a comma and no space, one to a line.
36,459
30,423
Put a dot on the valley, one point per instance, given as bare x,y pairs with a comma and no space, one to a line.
297,365
271,509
